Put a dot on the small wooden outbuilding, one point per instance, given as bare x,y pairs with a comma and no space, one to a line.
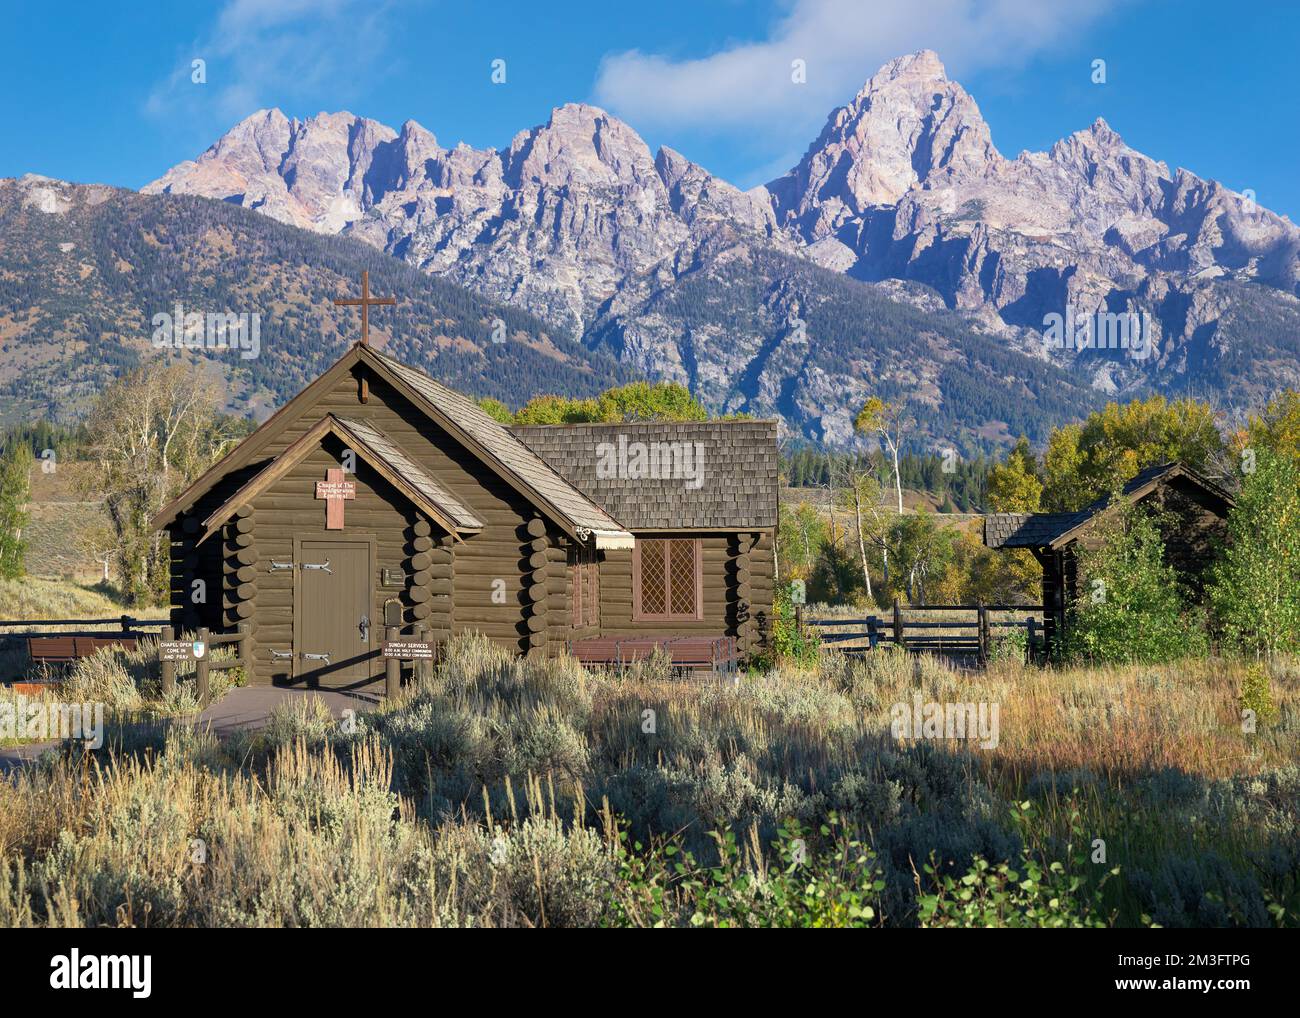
379,498
1193,511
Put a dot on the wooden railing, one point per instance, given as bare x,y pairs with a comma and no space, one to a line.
126,622
204,665
973,635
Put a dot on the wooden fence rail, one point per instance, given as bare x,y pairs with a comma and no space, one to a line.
51,642
972,635
204,665
127,623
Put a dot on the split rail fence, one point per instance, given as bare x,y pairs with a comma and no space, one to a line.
49,641
971,633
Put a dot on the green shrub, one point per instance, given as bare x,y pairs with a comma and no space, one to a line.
837,886
1255,592
1020,895
1130,606
789,644
1256,696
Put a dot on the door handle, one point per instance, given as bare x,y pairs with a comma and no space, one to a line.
364,626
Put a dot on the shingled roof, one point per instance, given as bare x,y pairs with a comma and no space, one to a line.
1042,530
504,447
367,438
373,448
732,486
1028,530
459,415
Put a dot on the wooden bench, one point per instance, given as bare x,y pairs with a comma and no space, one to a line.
65,649
693,652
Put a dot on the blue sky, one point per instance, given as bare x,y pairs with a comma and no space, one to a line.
93,97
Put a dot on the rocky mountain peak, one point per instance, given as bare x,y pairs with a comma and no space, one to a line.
579,144
696,195
577,222
414,133
919,68
908,127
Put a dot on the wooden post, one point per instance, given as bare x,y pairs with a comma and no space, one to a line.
898,624
245,646
168,667
420,669
982,628
873,632
201,669
1032,651
392,668
798,620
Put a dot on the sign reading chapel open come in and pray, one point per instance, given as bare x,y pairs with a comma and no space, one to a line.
180,650
334,489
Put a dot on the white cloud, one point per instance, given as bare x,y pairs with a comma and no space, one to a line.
272,52
842,42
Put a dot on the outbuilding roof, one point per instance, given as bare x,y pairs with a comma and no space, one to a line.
1055,530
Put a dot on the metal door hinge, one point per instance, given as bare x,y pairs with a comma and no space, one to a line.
324,566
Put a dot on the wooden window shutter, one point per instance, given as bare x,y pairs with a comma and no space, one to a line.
575,588
584,583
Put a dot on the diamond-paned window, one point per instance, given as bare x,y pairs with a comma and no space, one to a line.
666,579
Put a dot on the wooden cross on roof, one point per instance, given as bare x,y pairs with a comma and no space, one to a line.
365,301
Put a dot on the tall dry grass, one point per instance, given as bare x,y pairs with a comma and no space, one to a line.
483,795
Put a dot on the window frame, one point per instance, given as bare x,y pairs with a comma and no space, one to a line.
638,613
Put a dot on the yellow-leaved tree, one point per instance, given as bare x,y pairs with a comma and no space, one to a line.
1014,486
1085,462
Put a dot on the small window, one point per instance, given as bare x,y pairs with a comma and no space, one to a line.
584,581
667,579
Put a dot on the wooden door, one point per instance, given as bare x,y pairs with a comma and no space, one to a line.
334,635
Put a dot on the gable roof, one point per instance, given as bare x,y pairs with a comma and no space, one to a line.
393,465
494,438
731,486
363,436
486,438
1055,530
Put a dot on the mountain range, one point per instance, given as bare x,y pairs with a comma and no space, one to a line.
903,256
85,269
